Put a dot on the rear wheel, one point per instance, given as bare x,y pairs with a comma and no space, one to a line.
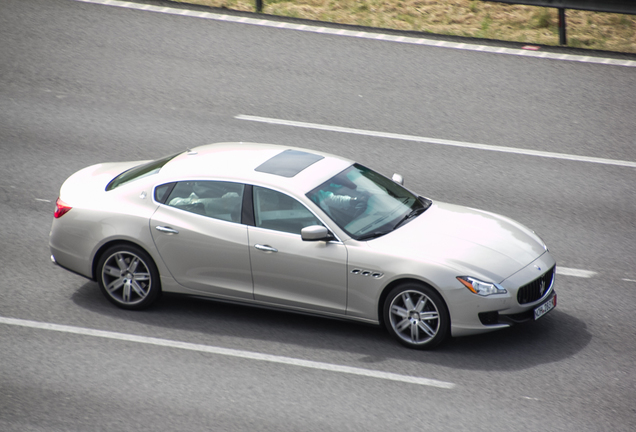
128,277
416,316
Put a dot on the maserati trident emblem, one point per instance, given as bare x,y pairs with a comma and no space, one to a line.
542,287
537,267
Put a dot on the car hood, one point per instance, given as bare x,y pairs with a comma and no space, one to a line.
474,242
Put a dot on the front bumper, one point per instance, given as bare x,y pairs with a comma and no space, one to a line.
477,314
495,318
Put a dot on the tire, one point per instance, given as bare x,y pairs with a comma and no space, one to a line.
416,316
128,277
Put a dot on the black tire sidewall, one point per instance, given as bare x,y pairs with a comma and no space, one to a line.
155,284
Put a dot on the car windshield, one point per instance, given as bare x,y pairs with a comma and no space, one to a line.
366,204
140,171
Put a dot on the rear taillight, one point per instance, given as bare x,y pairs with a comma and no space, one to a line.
61,208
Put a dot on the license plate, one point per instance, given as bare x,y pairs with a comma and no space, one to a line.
545,308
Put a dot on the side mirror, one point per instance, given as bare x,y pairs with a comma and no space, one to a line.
315,233
398,179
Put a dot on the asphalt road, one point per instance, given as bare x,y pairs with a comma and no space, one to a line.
85,83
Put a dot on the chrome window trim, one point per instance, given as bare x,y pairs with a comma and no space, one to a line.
175,182
327,225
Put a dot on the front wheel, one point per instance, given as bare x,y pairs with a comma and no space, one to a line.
128,277
416,316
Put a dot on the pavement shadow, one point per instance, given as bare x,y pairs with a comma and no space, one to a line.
556,336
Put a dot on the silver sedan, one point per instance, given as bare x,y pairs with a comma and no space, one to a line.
301,230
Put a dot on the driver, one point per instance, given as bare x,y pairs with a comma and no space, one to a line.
327,201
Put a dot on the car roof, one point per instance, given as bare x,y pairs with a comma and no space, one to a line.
287,168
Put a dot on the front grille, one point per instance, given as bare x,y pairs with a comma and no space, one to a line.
536,289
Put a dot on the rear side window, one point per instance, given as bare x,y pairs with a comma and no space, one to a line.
139,171
161,192
215,199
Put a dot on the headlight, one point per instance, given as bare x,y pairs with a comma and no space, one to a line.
480,287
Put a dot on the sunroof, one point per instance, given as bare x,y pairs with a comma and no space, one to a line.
288,163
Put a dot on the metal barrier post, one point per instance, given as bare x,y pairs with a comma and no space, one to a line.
562,35
611,6
259,6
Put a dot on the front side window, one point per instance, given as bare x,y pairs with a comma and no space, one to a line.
215,199
366,204
277,211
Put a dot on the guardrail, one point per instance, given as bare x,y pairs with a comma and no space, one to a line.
612,6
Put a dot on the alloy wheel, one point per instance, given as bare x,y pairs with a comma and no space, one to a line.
126,278
414,318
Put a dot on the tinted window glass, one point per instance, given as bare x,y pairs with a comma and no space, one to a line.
366,204
139,171
277,211
289,163
162,191
215,199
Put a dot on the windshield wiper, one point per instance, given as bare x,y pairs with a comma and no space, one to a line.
372,235
409,216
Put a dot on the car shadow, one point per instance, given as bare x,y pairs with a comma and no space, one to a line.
556,336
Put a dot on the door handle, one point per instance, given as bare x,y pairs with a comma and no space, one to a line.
166,230
265,248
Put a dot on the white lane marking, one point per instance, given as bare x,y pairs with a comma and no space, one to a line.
564,271
629,280
437,141
43,200
229,352
367,35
